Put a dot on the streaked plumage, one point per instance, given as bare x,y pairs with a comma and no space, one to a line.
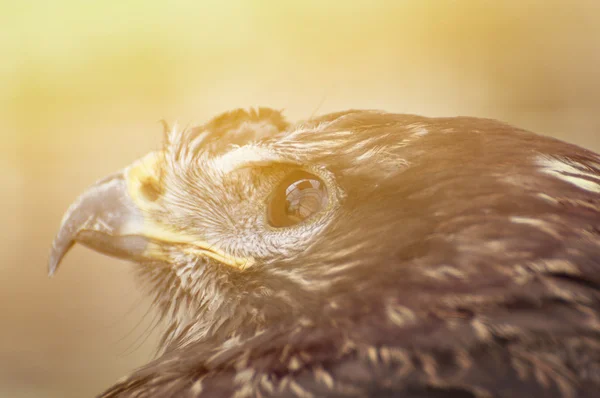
452,257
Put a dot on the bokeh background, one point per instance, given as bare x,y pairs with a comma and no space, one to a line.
83,84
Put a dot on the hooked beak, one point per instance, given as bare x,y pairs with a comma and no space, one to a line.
113,218
106,218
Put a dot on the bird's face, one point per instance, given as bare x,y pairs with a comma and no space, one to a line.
241,206
231,212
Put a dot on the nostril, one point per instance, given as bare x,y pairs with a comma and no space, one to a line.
149,190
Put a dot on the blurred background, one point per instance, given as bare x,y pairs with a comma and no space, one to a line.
83,84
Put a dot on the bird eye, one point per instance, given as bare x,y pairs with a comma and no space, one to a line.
298,196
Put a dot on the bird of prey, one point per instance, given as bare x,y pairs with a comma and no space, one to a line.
358,253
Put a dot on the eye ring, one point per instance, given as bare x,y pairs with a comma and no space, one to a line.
298,197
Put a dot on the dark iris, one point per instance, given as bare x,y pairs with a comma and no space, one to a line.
298,196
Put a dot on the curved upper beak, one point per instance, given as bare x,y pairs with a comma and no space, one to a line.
109,216
104,218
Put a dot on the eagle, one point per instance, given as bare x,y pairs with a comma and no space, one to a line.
358,253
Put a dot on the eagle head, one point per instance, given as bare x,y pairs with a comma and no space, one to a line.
244,221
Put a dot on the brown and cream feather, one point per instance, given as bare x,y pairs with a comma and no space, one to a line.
455,257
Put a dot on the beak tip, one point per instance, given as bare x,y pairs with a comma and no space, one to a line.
51,268
57,253
52,265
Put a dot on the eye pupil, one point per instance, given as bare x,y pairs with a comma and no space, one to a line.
304,198
298,197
